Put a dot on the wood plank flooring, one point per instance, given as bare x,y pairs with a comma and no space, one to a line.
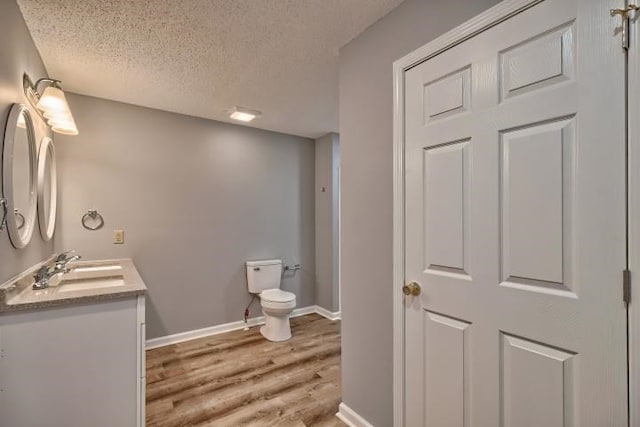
241,379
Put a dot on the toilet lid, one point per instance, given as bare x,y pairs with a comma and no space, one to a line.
277,295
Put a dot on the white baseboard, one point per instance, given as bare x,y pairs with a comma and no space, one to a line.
351,417
233,326
328,314
218,329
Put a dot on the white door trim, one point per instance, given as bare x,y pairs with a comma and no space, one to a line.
480,23
351,417
633,189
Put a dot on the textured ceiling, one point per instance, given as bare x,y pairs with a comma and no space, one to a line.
202,57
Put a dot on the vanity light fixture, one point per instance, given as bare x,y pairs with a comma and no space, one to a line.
51,104
243,114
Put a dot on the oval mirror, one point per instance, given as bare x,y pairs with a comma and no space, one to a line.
47,188
18,175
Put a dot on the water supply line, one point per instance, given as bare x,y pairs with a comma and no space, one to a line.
246,312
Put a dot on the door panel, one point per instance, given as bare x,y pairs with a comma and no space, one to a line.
445,369
447,96
446,175
537,384
538,62
536,196
514,224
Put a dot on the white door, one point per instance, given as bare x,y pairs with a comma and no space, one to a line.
515,225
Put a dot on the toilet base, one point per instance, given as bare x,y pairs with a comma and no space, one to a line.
276,329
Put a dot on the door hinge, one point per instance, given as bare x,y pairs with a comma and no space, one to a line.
624,14
626,286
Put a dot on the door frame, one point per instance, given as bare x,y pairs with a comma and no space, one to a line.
633,215
491,17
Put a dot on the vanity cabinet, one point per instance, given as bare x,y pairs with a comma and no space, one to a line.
75,365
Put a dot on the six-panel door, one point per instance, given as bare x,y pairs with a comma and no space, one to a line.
515,213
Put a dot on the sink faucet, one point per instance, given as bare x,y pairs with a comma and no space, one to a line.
44,274
63,259
42,277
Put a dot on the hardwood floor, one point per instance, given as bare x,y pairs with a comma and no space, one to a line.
241,379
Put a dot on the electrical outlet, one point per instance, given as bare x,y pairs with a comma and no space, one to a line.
118,237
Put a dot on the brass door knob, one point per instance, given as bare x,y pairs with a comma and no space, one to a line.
412,288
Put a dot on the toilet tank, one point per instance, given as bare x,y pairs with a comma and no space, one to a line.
263,275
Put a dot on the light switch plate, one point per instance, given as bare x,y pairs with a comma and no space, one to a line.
118,237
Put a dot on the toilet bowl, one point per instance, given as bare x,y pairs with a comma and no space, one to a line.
263,278
277,305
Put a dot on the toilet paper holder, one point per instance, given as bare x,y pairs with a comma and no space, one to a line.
292,268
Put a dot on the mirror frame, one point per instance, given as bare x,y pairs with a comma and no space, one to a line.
47,152
19,240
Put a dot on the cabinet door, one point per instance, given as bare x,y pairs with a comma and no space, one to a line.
72,366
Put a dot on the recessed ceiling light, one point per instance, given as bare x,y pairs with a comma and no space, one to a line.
244,114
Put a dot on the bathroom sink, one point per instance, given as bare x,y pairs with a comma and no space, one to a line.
90,283
93,271
97,268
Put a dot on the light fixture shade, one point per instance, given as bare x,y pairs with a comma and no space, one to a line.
53,101
71,130
52,116
56,110
63,124
22,123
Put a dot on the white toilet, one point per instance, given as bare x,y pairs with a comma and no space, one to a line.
263,278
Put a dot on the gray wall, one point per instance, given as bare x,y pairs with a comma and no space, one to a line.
366,139
327,220
196,199
17,56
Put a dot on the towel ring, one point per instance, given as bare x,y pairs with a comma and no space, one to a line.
3,223
20,221
92,214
